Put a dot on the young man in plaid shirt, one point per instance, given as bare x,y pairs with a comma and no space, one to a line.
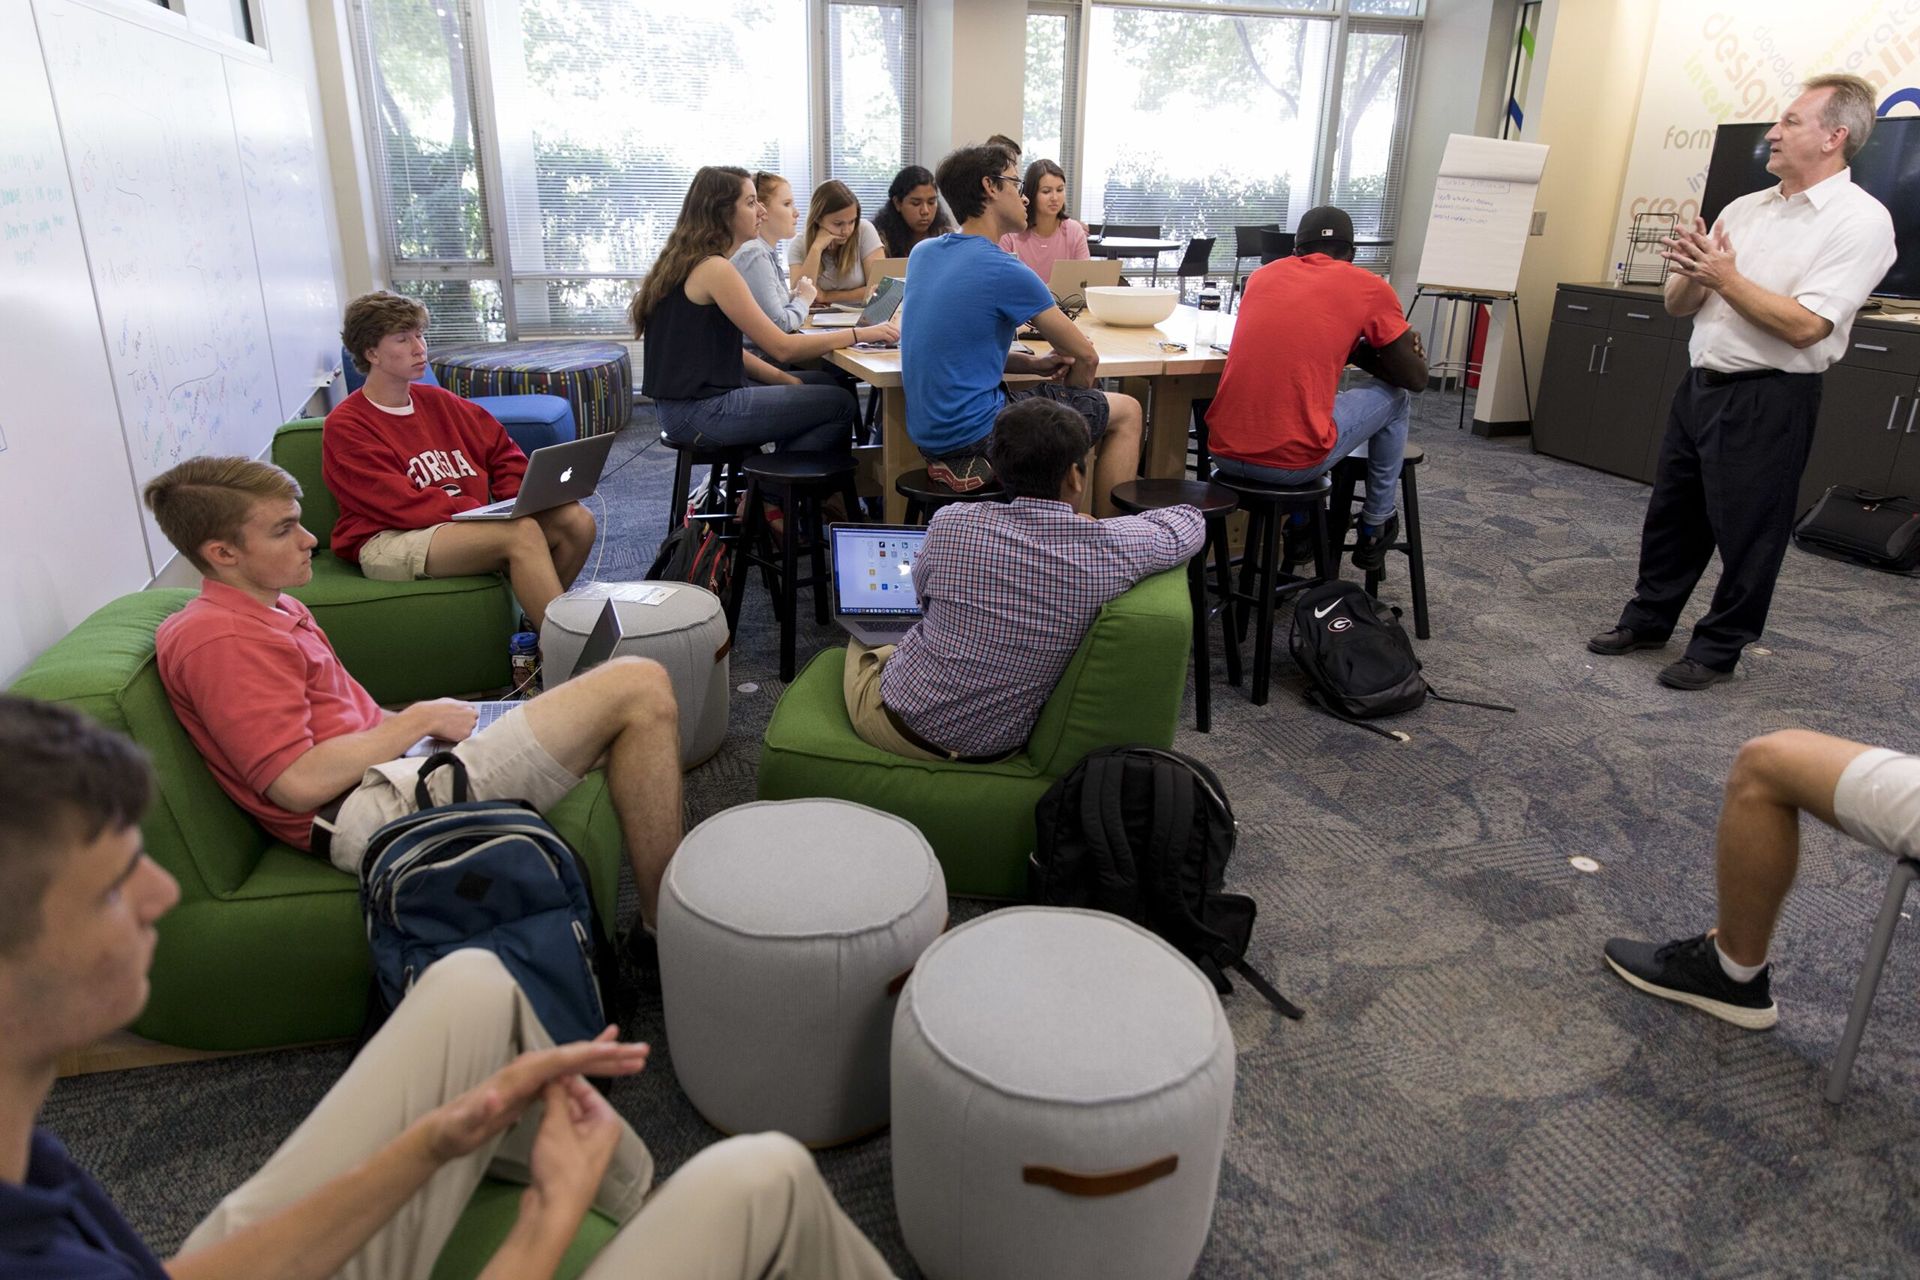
1007,594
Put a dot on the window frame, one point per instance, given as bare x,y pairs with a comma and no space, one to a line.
820,89
1074,102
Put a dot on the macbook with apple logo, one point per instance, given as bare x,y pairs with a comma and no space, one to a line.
556,475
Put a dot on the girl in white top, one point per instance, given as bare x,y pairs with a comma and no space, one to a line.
758,259
839,247
1049,237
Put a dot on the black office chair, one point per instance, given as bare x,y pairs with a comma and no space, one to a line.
1275,245
1247,244
1194,262
1130,231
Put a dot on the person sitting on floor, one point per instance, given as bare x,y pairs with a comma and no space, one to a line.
1007,593
462,1081
965,299
1277,419
300,745
401,458
1871,793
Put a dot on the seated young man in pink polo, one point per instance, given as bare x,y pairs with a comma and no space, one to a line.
401,458
372,1184
299,744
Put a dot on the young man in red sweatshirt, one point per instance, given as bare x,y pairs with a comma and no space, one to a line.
402,457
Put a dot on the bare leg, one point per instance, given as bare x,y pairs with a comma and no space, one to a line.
623,713
487,546
570,531
1117,460
1757,846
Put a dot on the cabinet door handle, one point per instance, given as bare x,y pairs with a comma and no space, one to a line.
1868,346
1605,351
1576,307
1591,352
1638,315
1895,411
1912,405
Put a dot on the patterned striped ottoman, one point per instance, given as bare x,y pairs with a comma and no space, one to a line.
596,378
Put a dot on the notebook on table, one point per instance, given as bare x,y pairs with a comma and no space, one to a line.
556,475
873,595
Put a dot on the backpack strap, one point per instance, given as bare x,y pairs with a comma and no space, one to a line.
1313,699
441,760
1438,696
1104,826
1267,989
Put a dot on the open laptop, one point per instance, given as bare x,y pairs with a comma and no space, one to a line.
873,596
1072,277
879,309
600,645
557,474
884,267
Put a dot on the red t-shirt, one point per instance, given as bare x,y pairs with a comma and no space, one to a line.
1299,319
413,471
256,688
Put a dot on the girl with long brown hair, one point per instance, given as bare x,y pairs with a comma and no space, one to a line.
839,249
692,313
1051,236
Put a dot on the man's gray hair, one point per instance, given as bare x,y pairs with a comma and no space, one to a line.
1850,108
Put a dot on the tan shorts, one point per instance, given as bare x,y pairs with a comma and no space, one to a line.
505,762
861,685
1877,801
397,555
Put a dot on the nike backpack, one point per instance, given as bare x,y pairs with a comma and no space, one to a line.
1357,659
1145,834
490,874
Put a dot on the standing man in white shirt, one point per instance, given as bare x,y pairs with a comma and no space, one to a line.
1772,292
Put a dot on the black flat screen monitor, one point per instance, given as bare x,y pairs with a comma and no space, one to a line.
1888,168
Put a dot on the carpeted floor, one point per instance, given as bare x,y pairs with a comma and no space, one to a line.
1472,1093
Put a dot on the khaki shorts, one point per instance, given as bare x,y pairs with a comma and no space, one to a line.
397,555
505,762
1877,801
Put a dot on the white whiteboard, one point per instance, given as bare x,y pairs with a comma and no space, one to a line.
290,238
69,525
1482,207
156,177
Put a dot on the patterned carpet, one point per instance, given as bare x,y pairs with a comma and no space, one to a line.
1471,1093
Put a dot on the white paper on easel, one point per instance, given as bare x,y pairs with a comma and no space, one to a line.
1482,205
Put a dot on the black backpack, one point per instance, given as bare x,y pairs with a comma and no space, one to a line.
1145,834
1878,530
695,552
1357,659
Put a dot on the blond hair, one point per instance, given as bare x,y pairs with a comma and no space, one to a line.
209,499
1850,108
371,317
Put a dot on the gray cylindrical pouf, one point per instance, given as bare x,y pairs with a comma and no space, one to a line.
787,929
678,625
1062,1089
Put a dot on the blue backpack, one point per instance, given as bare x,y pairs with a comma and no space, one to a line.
489,874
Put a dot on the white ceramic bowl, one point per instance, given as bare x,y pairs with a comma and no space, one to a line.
1119,305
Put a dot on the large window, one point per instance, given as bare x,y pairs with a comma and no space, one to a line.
1199,120
1052,90
533,154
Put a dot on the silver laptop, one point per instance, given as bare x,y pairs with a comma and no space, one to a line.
873,596
557,474
879,309
601,643
1072,277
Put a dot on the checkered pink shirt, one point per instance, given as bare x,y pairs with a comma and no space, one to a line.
1009,592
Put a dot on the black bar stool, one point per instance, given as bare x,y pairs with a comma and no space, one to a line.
925,495
1350,486
798,481
1216,504
728,457
1267,507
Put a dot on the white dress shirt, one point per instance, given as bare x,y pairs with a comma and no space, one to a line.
1826,248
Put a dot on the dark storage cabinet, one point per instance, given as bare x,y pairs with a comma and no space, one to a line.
1615,357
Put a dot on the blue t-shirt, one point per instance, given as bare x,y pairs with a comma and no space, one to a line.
60,1223
965,297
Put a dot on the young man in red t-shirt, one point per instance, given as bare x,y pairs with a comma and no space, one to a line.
402,457
299,744
1279,416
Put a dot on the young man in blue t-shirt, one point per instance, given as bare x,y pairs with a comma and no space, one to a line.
965,299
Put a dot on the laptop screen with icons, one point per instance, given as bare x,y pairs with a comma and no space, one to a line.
873,568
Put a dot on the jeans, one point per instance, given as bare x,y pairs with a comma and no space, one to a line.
813,416
1373,414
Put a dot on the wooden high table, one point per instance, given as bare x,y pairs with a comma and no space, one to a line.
1166,383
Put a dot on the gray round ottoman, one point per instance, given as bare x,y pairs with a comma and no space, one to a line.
1062,1088
678,625
787,929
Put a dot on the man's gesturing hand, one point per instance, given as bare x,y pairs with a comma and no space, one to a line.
492,1107
1705,259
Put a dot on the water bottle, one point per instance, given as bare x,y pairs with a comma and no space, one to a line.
1206,323
524,654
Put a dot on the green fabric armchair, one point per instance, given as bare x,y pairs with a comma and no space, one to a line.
1123,685
267,946
406,641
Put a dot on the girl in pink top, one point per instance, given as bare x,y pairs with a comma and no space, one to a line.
1049,237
